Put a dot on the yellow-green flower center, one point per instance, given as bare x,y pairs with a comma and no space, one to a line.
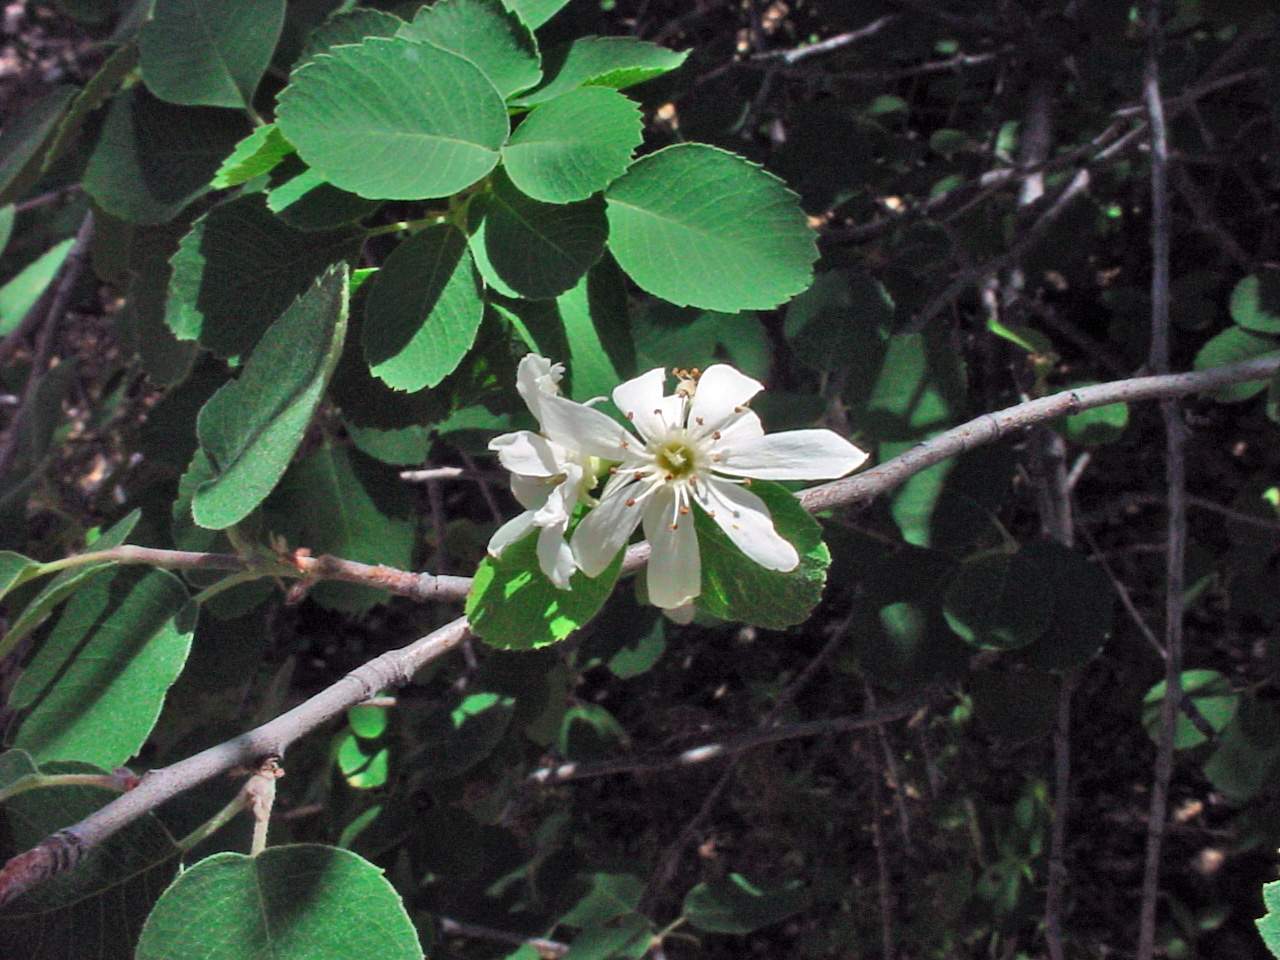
677,459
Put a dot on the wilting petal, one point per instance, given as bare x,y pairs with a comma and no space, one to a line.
642,403
747,522
675,566
584,429
527,453
722,390
554,556
514,529
793,455
606,527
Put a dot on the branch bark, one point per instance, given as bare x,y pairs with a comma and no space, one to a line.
64,849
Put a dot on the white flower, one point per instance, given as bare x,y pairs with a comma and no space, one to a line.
547,479
693,446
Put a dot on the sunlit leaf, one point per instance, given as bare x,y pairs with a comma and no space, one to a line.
484,32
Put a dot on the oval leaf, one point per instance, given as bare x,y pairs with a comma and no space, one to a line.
209,53
1255,302
303,902
533,249
95,687
617,62
699,226
737,588
1235,345
392,119
514,606
487,34
249,429
573,146
423,311
736,905
1000,601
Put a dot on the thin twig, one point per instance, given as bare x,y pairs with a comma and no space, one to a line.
831,43
1175,480
548,949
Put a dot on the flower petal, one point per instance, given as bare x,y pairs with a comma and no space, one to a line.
536,377
721,391
606,527
642,403
528,454
514,529
793,455
554,556
747,522
675,567
585,430
531,492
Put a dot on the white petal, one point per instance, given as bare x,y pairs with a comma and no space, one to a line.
511,531
606,527
793,455
738,429
561,501
584,430
746,521
642,403
681,615
722,390
535,377
531,492
675,567
554,556
527,453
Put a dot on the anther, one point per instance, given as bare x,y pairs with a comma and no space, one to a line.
675,526
639,474
684,509
739,409
698,420
657,413
631,501
625,445
631,415
716,435
670,476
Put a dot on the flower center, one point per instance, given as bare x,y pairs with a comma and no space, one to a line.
676,458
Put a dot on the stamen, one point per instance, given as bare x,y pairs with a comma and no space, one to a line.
631,501
698,421
746,481
714,436
657,413
639,474
739,409
693,481
711,514
670,476
613,470
684,509
626,445
675,526
631,414
717,457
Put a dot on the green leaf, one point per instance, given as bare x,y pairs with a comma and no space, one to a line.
736,905
95,687
573,146
1213,697
612,895
209,53
736,588
513,606
253,156
841,323
153,158
486,33
251,426
920,388
239,268
696,225
598,330
617,62
1255,302
307,201
6,225
532,249
141,326
332,502
350,26
394,119
15,570
303,902
536,12
1000,601
1269,922
367,722
424,310
629,939
25,138
64,584
1248,753
20,294
1235,345
96,910
1083,602
452,745
101,86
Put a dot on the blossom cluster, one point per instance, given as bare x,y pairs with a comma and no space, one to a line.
696,448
